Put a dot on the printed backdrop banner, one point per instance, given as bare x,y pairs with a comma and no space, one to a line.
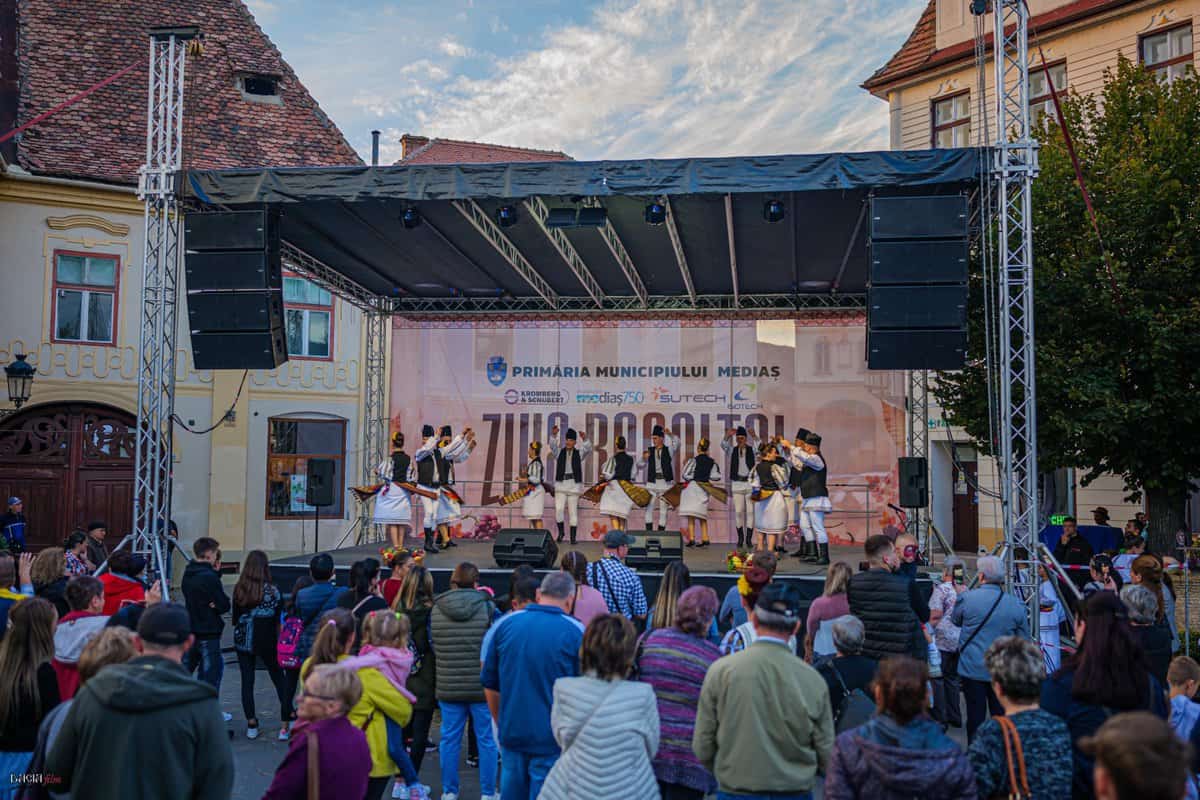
514,382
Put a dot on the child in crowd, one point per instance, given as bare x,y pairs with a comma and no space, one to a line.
1183,678
385,636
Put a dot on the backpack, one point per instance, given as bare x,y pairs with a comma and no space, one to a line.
286,646
856,708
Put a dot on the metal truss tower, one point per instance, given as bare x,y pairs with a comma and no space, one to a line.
918,447
157,188
1013,171
375,412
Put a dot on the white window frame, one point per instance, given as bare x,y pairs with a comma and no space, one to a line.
1177,61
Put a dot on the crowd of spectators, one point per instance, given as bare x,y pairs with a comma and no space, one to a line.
572,685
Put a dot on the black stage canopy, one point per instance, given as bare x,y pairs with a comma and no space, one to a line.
715,250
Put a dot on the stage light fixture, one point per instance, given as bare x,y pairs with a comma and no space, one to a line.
656,213
506,216
773,210
411,218
561,217
592,217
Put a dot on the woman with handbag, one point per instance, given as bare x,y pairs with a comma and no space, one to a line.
328,757
1027,752
256,606
606,724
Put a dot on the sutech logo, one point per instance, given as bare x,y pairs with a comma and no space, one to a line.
745,398
745,394
661,395
497,370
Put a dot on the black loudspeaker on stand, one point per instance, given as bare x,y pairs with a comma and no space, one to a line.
654,549
914,487
535,546
318,491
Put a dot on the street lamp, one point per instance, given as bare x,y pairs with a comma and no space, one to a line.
20,380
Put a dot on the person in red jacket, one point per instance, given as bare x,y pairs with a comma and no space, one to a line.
122,582
85,596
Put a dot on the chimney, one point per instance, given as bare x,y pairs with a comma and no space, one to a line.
411,143
374,148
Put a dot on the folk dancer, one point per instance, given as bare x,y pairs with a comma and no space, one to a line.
393,502
805,456
768,490
739,448
568,478
443,451
617,493
699,474
660,474
533,493
795,499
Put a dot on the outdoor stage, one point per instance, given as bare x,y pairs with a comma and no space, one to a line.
707,566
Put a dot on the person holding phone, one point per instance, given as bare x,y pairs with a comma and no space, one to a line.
947,707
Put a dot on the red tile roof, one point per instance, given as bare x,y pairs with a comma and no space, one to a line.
919,52
66,47
454,151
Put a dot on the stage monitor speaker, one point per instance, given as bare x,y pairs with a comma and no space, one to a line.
515,546
917,306
239,349
231,230
235,311
322,472
940,217
914,488
654,549
916,349
920,261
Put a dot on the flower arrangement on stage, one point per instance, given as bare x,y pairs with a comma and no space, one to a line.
598,530
486,527
389,554
737,560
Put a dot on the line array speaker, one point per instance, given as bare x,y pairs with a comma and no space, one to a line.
234,279
917,295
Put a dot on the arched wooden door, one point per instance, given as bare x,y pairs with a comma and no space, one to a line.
71,463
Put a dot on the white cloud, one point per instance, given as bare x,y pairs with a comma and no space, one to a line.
454,48
264,11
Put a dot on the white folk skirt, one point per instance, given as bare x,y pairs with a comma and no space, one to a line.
614,502
693,501
448,509
771,514
533,504
393,505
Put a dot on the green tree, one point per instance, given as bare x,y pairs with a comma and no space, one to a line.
1118,354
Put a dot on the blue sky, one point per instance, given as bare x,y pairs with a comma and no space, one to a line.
615,79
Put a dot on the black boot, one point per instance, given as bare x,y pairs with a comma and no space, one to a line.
822,558
802,553
430,546
811,558
662,527
573,530
649,526
741,538
561,534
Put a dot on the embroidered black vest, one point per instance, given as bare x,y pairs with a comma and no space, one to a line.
400,462
576,465
812,481
736,471
622,467
660,468
703,470
766,475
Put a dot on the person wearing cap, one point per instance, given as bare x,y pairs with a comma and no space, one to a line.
1073,550
12,526
806,459
660,474
699,474
393,502
768,490
1137,757
151,707
739,447
435,473
620,586
123,581
97,550
620,494
568,478
1101,517
764,725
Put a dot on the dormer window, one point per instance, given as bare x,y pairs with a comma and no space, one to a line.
259,88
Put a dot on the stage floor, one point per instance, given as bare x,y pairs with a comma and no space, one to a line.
707,566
